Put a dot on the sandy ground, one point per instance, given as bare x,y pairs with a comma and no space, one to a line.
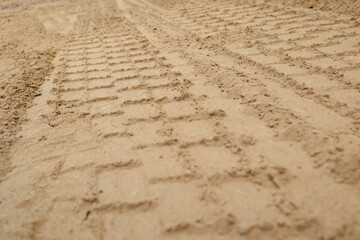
164,119
348,7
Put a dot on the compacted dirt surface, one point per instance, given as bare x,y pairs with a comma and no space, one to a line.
164,119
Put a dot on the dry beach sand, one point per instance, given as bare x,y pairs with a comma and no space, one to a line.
179,119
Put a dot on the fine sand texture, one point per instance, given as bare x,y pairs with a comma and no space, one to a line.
179,119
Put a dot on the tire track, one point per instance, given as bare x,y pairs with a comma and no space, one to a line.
150,129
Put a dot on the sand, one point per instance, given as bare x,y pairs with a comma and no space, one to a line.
348,7
163,119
